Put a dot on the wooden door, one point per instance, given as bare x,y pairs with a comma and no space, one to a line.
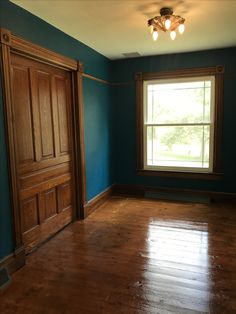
42,124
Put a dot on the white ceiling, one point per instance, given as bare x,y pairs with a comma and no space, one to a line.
114,27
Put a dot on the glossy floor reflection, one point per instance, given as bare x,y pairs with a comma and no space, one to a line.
133,256
178,244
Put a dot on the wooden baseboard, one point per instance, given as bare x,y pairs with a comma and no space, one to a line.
98,200
128,190
141,190
14,261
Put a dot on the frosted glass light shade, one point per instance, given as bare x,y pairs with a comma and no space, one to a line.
167,23
155,35
181,28
172,35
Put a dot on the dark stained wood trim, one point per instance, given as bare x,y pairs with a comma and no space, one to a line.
122,83
140,190
78,115
22,46
5,36
219,99
97,201
185,175
91,77
128,190
14,261
139,120
218,72
190,72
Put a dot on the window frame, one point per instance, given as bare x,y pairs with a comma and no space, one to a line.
140,78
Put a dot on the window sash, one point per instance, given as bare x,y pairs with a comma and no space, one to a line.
178,124
210,124
180,168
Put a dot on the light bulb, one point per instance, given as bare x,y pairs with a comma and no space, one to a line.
172,35
181,28
167,23
155,34
151,29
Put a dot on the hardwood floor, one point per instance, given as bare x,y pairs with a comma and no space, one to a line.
133,256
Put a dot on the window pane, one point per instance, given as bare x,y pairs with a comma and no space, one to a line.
187,102
181,146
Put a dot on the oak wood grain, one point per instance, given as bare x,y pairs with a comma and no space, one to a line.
41,101
45,152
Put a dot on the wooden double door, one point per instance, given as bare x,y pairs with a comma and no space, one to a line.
42,127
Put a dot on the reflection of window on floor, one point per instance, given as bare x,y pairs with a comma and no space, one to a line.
177,245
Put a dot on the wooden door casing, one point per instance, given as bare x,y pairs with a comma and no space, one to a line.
42,125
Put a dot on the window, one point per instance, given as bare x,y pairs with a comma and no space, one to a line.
179,121
179,124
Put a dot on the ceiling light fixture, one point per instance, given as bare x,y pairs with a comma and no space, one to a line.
166,22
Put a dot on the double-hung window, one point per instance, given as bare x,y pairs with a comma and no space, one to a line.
179,122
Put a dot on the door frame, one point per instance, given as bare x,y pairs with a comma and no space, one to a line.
10,43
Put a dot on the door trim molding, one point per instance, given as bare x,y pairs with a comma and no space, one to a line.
79,145
10,43
28,49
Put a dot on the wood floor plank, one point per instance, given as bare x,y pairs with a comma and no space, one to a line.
133,256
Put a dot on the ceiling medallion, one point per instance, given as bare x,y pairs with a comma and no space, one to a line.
167,21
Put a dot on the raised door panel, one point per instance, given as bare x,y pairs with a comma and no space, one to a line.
22,114
29,214
63,106
48,204
45,114
64,196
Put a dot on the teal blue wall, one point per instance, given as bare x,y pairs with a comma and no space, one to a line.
97,104
98,135
32,28
124,128
5,211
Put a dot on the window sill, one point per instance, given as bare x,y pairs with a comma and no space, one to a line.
177,174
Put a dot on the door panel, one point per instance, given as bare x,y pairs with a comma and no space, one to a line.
49,203
63,113
42,128
29,213
64,196
22,114
45,114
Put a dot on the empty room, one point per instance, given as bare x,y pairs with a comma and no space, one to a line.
117,156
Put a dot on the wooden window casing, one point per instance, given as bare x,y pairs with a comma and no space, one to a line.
140,78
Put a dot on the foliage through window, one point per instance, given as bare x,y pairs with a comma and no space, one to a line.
178,121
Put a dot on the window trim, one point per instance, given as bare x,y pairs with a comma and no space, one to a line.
140,78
